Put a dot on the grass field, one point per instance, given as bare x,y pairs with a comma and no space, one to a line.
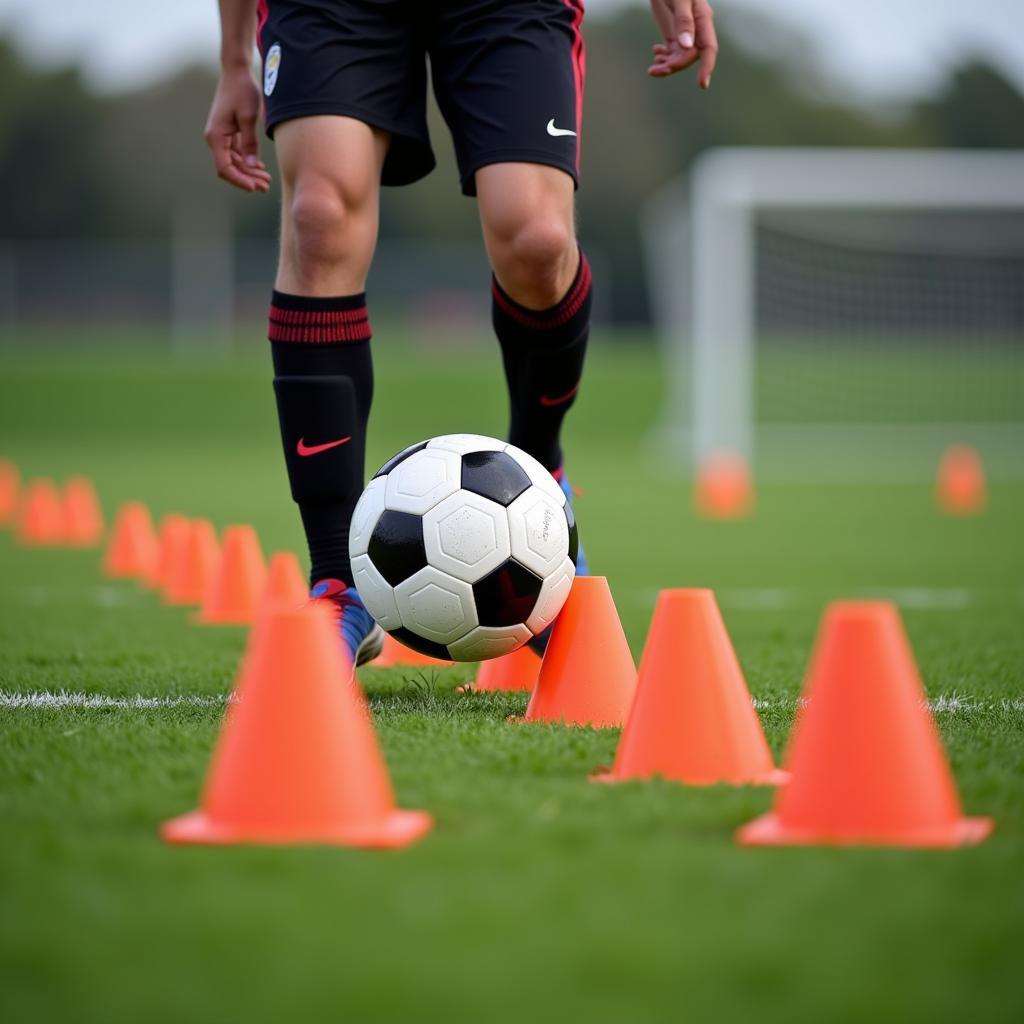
538,896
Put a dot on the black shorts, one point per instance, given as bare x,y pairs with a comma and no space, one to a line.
507,74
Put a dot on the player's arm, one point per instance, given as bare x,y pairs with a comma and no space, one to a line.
688,35
231,126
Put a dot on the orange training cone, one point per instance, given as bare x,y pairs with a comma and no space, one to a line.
865,759
285,584
40,516
192,576
10,485
516,671
587,676
692,720
297,760
234,594
132,548
172,541
83,519
396,653
724,489
960,488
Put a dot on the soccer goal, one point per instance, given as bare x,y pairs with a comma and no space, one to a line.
842,313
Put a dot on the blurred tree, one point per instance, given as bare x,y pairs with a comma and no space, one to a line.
72,163
978,107
50,168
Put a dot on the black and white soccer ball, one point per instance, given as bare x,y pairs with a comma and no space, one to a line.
463,547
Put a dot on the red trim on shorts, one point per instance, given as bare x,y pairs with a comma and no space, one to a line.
579,68
262,13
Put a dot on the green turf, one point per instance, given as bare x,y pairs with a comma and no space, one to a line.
539,895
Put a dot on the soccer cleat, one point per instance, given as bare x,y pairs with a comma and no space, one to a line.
540,642
581,558
363,637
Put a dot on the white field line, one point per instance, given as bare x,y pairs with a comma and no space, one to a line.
947,704
951,704
50,700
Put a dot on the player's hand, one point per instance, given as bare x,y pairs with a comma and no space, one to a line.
688,33
231,132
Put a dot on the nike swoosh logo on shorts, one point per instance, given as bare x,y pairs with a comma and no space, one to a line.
552,130
314,449
559,399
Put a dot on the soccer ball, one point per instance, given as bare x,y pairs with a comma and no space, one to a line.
463,547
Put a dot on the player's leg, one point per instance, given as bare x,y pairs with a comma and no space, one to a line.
345,91
509,80
320,338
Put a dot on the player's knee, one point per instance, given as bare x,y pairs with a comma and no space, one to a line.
540,256
320,219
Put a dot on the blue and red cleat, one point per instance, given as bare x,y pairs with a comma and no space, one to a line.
540,642
363,638
563,482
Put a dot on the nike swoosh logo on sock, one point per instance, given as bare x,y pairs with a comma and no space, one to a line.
314,449
558,399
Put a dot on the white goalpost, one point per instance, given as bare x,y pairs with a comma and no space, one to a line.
842,313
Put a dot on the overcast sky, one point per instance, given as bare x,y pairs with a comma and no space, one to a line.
890,47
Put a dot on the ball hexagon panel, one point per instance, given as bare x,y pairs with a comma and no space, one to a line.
467,536
489,642
552,596
436,606
494,475
539,476
539,531
400,457
423,479
462,443
396,546
365,516
507,596
377,594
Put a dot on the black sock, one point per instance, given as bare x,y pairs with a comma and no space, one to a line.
323,380
543,355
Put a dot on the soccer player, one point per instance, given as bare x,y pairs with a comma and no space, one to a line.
343,91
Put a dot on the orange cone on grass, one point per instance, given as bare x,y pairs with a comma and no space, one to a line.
519,670
285,584
297,760
83,519
724,488
865,760
234,594
191,577
960,487
587,676
10,486
132,548
40,516
172,539
692,720
396,653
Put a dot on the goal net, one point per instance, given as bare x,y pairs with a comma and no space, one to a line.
843,314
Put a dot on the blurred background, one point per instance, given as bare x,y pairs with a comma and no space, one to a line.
114,230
